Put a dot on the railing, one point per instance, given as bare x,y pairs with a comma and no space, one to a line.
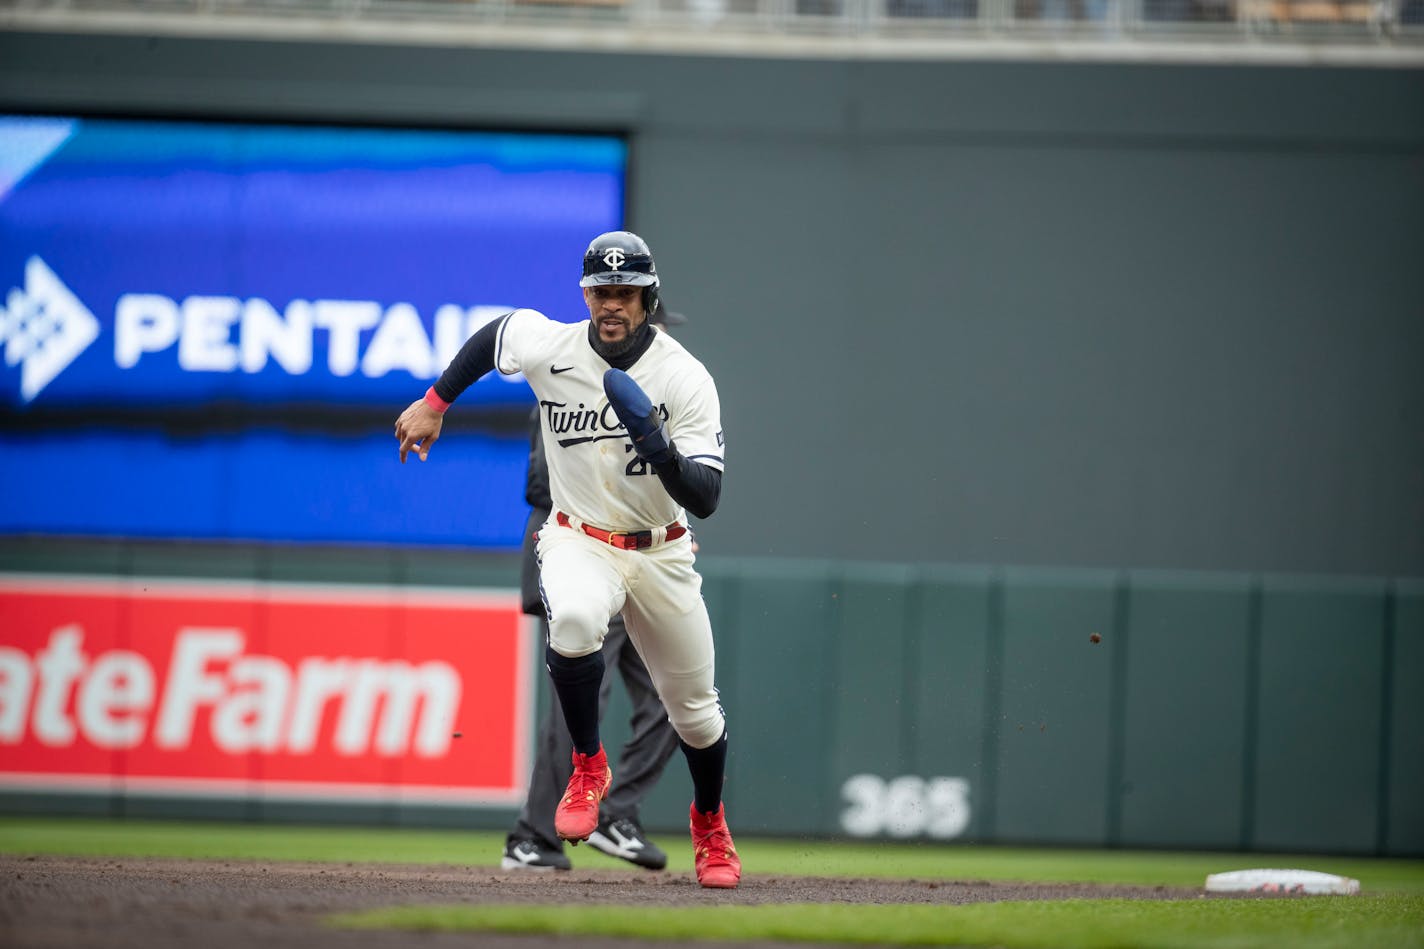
1312,24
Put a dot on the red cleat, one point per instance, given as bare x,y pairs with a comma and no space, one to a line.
718,865
577,815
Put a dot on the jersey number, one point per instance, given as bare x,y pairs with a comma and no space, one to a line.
636,465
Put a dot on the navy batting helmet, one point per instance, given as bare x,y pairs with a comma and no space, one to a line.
622,257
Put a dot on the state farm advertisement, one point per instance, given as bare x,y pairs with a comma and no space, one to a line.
296,691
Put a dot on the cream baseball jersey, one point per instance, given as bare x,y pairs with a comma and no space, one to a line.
594,473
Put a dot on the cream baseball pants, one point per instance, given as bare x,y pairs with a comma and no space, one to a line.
584,582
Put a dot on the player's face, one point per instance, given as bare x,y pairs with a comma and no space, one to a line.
616,310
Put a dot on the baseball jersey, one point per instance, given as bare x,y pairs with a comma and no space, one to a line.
594,474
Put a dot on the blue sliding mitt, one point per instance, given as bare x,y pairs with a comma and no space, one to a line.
635,410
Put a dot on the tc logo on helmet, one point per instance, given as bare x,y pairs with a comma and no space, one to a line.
614,258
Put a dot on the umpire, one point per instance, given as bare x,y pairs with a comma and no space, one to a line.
533,844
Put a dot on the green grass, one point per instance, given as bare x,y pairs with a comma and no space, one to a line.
1308,923
236,841
135,838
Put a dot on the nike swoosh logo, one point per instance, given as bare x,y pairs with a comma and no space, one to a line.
556,370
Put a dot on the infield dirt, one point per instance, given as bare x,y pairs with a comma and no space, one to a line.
73,903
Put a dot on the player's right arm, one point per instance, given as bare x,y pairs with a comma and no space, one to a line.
418,427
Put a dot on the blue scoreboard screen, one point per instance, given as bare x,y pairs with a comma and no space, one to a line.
207,330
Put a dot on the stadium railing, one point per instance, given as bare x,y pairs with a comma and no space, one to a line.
1286,22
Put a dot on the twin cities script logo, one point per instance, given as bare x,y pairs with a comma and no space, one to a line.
599,424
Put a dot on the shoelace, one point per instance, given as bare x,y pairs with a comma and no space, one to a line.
717,841
584,784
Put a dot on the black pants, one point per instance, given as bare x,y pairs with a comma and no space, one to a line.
639,764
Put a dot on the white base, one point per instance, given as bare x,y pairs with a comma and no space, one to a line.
1280,881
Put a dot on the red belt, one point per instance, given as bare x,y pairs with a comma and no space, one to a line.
623,540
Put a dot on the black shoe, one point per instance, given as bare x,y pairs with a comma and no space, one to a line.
529,855
624,838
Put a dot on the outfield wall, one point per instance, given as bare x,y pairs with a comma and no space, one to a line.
1216,711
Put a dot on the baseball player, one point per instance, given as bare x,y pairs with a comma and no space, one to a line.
533,843
633,436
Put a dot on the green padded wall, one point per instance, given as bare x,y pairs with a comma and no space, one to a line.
1318,744
1402,826
871,687
950,732
779,690
1184,710
1054,726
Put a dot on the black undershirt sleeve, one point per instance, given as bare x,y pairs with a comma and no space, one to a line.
475,359
696,487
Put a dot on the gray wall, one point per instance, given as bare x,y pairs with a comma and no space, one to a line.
1072,314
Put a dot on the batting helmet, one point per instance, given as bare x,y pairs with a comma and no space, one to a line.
622,257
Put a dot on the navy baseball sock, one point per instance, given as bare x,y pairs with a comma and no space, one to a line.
576,682
708,766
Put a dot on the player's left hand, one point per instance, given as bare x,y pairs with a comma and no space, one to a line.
417,429
635,410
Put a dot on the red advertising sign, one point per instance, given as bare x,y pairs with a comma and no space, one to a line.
264,689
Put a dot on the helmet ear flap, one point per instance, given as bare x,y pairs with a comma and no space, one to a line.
650,300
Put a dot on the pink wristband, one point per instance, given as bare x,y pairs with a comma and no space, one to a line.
433,400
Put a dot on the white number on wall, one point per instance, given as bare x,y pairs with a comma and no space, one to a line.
907,806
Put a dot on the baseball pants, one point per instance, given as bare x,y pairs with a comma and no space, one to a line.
585,582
